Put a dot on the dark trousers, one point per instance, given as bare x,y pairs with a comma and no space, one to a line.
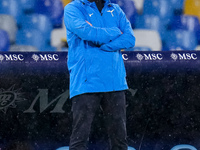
114,108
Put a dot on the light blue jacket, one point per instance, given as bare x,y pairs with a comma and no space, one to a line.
95,61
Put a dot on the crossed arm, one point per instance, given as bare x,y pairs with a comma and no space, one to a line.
110,39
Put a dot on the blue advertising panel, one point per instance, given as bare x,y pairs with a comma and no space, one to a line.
162,100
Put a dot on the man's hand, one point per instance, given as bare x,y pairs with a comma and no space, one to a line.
88,23
91,24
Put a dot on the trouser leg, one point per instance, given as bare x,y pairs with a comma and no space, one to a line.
114,107
83,108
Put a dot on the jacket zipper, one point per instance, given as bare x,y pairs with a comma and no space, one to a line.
101,23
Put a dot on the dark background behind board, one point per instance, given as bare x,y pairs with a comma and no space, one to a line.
163,108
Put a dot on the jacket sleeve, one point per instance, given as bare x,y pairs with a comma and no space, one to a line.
75,22
125,40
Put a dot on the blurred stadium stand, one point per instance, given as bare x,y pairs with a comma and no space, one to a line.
9,24
129,9
191,7
148,38
65,2
52,8
27,5
39,22
58,37
152,22
22,48
163,17
140,48
33,37
13,8
4,40
160,8
180,40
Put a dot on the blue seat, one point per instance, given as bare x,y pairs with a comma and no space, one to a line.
181,38
27,5
148,38
49,48
174,48
4,41
51,8
184,146
13,8
160,8
22,48
177,4
152,22
9,24
39,22
31,37
129,9
186,22
139,49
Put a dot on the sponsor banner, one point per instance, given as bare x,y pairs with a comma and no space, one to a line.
127,56
162,100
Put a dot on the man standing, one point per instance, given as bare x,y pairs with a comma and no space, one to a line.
97,30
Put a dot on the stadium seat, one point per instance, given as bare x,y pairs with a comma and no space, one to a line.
160,8
8,23
197,48
139,5
39,22
177,5
174,48
31,37
186,22
52,8
181,38
148,38
50,48
23,48
192,7
65,2
12,7
63,49
129,9
27,5
4,41
57,36
183,147
139,49
151,22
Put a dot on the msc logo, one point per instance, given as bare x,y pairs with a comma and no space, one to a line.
152,56
184,56
44,103
45,57
12,57
8,98
58,102
125,56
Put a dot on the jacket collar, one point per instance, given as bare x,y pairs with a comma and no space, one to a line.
89,3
